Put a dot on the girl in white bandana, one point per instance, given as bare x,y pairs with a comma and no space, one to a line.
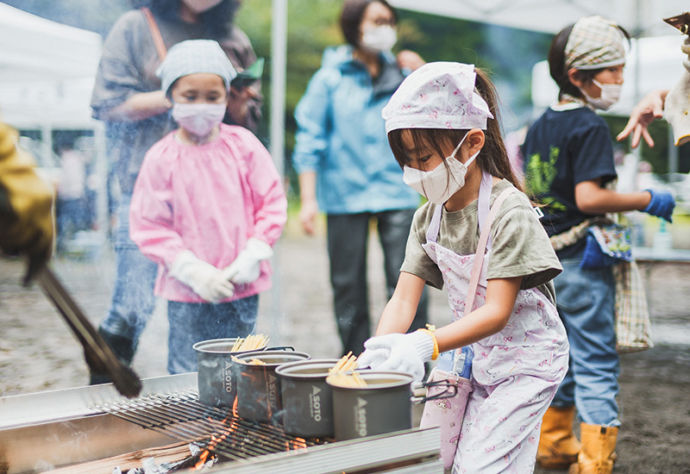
442,130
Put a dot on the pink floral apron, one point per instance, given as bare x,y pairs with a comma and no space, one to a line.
515,372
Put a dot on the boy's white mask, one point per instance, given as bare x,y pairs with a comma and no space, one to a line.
439,184
610,94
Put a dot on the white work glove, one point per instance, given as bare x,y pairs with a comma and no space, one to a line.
399,352
678,102
206,280
246,267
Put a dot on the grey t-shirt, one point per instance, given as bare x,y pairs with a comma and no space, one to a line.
128,66
519,244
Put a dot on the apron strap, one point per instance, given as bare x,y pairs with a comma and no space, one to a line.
435,224
481,247
483,201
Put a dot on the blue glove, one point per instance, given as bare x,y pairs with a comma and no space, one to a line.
661,205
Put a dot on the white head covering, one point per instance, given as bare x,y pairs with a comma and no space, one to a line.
595,43
437,95
192,57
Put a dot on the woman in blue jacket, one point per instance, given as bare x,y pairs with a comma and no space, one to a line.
345,166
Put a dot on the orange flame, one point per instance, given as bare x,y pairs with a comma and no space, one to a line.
297,443
216,439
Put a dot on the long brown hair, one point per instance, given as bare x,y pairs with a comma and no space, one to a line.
492,158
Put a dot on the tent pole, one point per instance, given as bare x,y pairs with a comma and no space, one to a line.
101,171
277,136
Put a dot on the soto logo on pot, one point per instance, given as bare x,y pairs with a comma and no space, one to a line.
315,403
227,376
272,390
361,417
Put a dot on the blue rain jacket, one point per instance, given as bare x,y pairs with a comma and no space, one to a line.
341,137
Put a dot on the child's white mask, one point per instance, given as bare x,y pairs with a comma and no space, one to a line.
610,94
198,119
439,184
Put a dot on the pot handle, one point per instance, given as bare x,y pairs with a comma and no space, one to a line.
279,348
450,392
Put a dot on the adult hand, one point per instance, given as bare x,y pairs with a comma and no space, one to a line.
26,200
404,352
650,108
409,60
661,204
206,280
140,106
307,215
246,267
238,103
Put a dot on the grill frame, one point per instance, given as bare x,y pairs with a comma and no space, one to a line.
60,428
180,415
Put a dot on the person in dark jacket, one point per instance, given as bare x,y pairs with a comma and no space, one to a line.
127,96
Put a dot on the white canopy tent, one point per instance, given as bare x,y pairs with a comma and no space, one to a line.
640,17
47,72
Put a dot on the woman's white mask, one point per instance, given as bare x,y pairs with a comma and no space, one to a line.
379,38
200,6
610,94
439,184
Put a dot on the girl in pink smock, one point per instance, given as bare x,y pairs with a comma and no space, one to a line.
208,205
441,128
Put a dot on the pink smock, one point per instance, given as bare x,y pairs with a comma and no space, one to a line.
208,199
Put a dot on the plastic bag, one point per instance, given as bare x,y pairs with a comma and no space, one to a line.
448,412
607,245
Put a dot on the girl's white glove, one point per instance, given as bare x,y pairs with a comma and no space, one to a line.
206,280
246,267
399,352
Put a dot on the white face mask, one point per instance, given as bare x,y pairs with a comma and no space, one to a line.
200,6
610,94
379,38
198,119
439,184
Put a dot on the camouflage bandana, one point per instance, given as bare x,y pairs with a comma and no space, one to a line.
595,43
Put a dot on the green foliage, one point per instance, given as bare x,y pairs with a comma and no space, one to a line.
539,174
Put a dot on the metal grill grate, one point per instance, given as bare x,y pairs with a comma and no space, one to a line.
181,416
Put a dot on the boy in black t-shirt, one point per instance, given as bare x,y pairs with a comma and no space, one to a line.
568,161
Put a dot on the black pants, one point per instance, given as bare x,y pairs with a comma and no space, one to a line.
348,235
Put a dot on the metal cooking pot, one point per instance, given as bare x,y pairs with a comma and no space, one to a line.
306,397
258,387
215,378
384,405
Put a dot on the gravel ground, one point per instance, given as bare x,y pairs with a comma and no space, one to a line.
37,351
